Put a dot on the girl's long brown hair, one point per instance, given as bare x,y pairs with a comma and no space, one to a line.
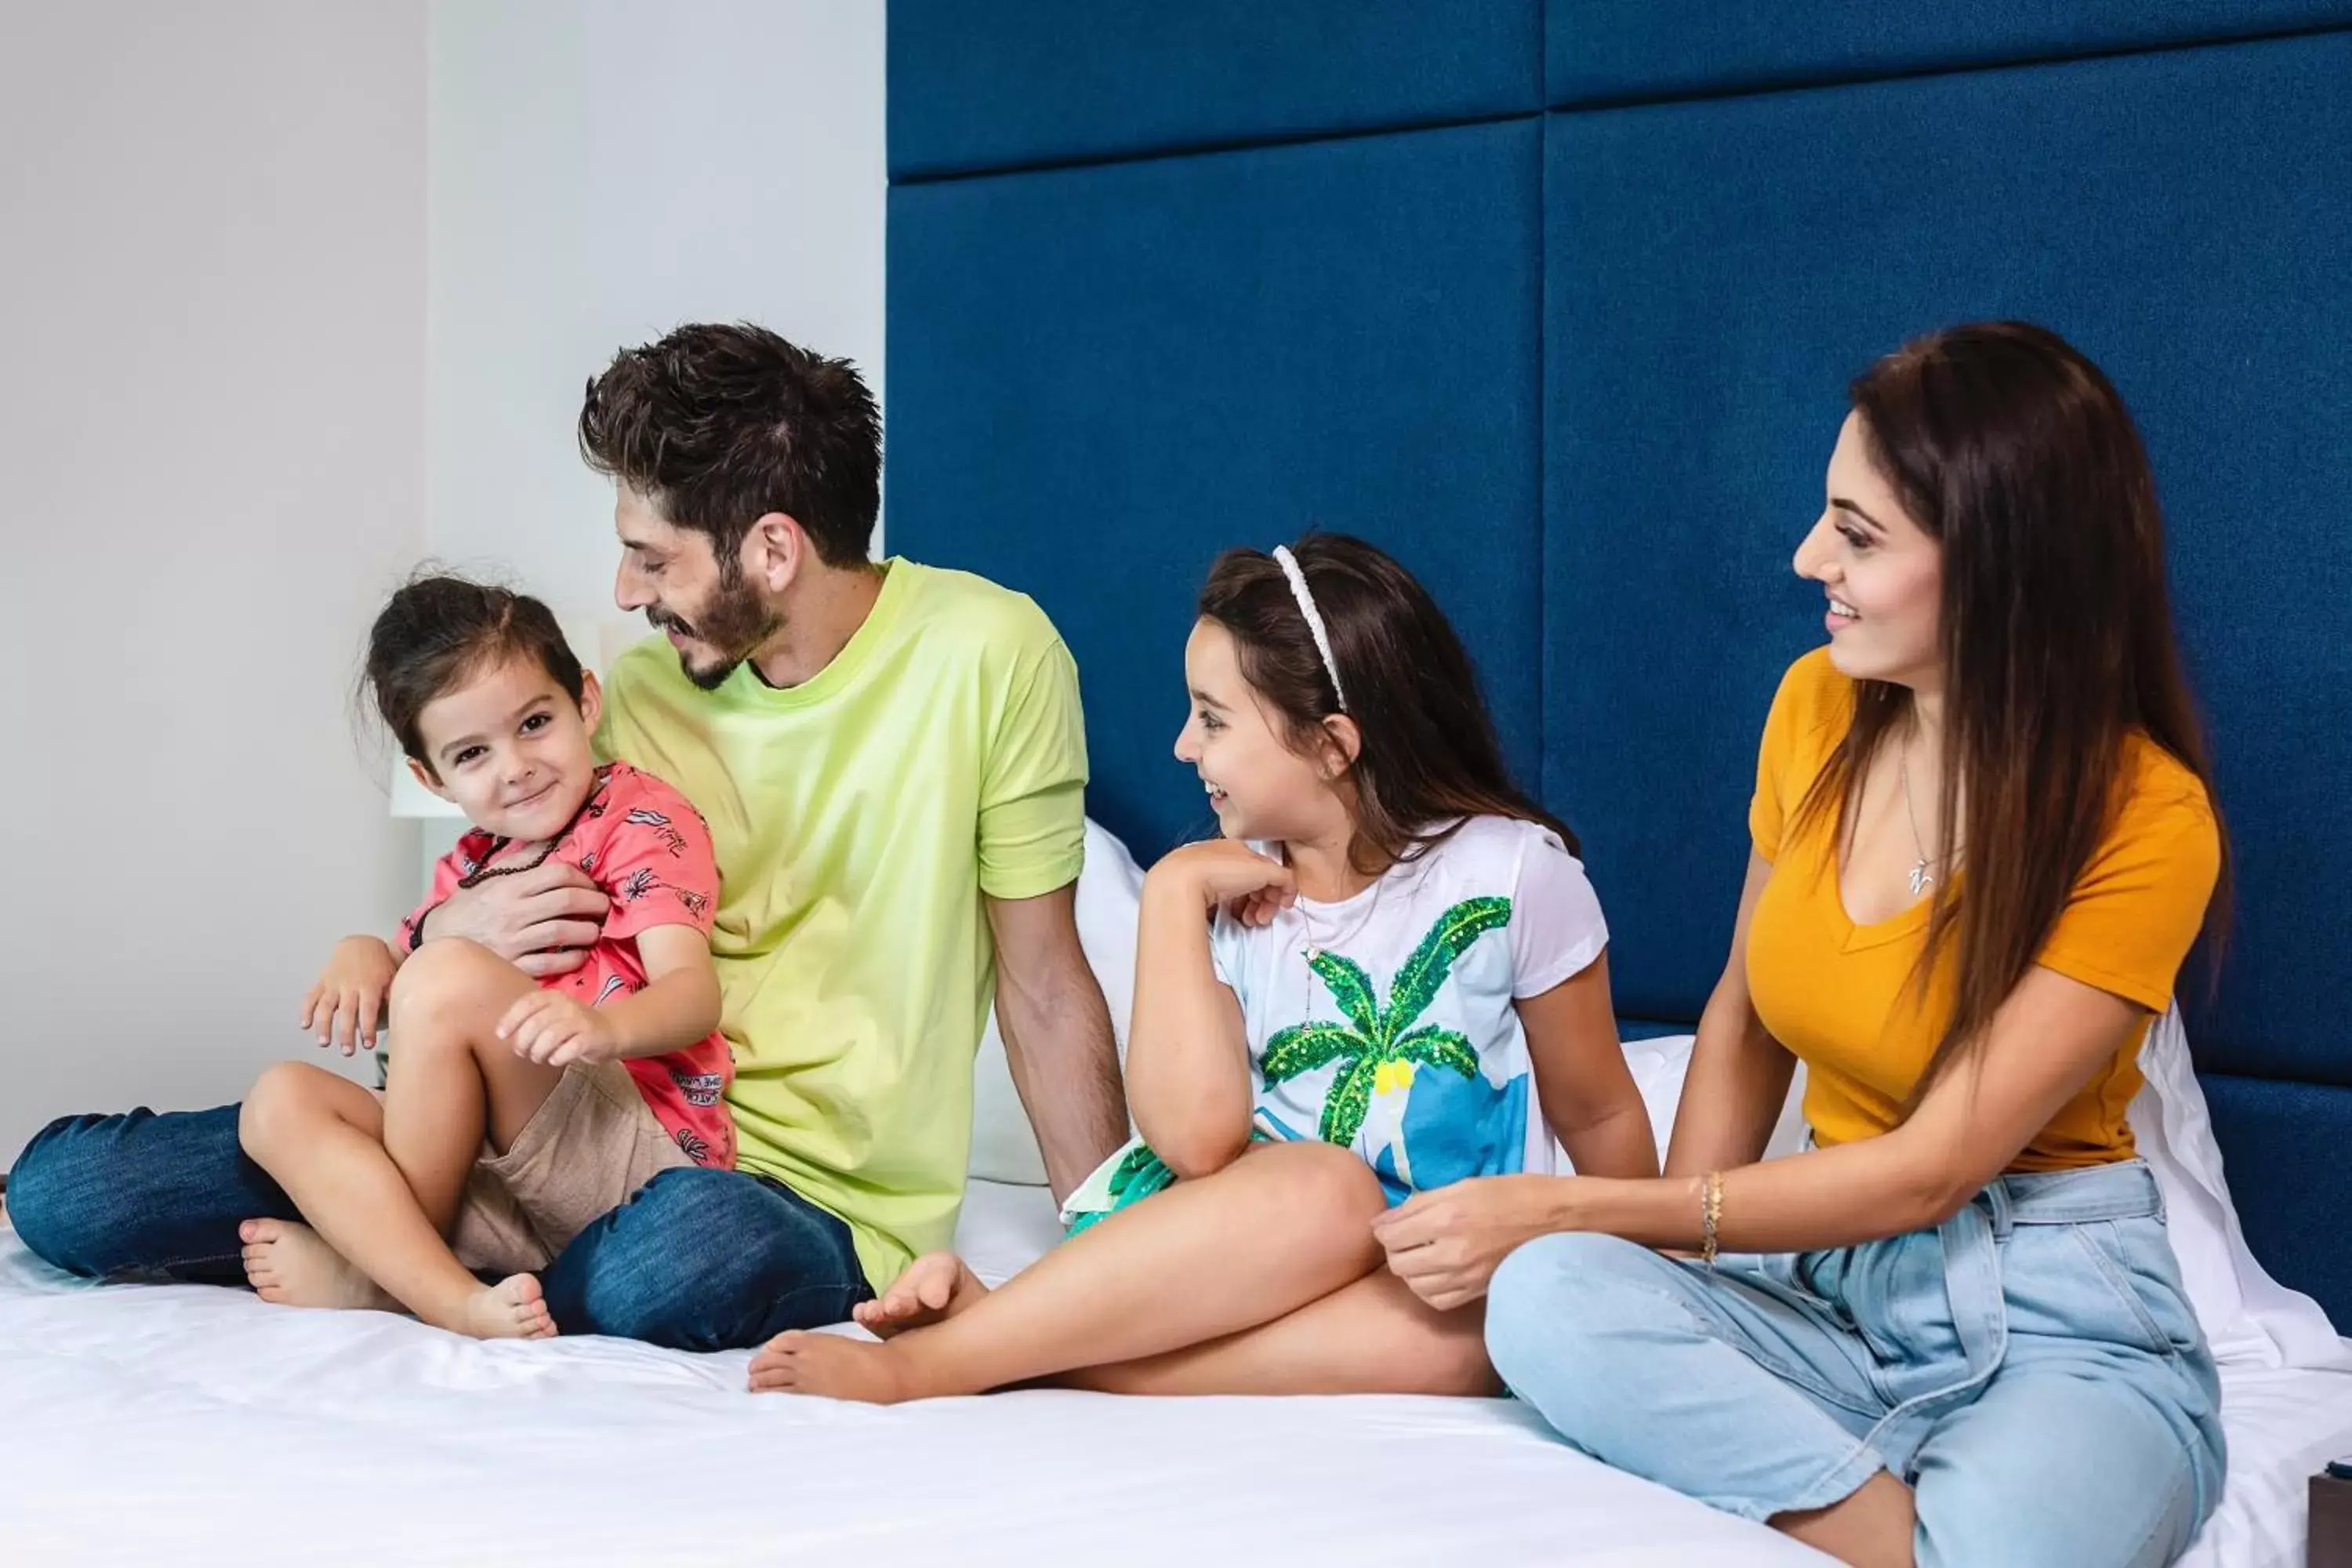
1429,756
2017,454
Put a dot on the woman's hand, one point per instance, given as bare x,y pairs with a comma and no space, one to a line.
344,1006
1223,874
1446,1245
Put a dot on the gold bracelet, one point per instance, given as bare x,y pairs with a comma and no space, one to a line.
1710,1216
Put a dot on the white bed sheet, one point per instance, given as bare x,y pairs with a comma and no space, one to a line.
199,1426
2284,1426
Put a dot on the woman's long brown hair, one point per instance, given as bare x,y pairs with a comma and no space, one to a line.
1429,757
2017,454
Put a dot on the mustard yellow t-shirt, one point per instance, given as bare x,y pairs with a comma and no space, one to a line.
1843,997
858,820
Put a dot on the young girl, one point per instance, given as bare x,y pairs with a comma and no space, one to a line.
1983,845
515,1112
1363,992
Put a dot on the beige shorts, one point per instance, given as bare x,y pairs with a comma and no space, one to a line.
582,1155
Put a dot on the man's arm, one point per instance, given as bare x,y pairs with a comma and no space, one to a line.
1057,1035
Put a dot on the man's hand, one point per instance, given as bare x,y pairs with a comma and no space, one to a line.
542,920
556,1030
344,1006
1446,1245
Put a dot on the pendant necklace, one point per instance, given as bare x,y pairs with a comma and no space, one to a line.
1922,878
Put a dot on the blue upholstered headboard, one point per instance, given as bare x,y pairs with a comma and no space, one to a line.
1557,302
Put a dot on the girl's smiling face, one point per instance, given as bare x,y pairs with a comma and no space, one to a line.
1259,787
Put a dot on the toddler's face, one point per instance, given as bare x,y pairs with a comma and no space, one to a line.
511,749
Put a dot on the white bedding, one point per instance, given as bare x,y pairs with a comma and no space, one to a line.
190,1425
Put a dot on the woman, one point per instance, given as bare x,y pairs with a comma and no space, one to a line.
1983,846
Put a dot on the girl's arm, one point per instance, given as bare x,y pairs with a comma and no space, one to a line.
679,1005
1587,1092
2043,1045
1188,1080
1739,1074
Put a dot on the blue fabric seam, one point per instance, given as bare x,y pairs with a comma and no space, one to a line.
1767,85
1213,148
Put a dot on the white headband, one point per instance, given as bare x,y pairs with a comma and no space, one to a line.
1289,564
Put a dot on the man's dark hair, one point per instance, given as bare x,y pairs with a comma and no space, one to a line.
718,426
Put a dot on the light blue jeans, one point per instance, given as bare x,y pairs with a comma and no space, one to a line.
2032,1368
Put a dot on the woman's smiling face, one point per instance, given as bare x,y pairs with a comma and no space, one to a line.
1882,573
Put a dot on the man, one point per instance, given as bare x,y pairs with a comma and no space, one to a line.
892,762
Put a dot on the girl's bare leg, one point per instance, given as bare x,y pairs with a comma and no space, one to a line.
1284,1225
1374,1336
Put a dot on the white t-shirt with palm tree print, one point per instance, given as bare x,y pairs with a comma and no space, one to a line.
1385,1023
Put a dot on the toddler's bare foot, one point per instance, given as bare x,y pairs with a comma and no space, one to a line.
290,1265
513,1309
935,1286
832,1367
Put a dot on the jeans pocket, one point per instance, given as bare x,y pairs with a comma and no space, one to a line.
2153,1315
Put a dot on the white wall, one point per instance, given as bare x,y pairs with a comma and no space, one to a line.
293,294
212,454
601,172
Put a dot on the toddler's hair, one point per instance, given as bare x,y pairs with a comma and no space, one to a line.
437,631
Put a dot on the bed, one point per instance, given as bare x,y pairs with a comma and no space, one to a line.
189,1424
193,1423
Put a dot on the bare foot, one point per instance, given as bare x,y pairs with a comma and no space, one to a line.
289,1264
935,1286
513,1309
832,1367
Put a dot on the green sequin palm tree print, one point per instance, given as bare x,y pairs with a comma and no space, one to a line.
1375,1038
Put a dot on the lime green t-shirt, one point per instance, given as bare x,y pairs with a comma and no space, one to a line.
858,820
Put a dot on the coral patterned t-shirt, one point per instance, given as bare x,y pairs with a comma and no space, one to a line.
650,852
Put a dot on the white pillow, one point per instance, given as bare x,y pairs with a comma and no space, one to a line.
1659,1067
2248,1316
1111,896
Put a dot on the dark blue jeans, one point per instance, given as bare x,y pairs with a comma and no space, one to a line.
697,1260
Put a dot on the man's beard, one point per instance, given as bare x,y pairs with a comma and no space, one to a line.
735,622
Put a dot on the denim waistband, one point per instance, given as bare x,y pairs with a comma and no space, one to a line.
2124,1190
